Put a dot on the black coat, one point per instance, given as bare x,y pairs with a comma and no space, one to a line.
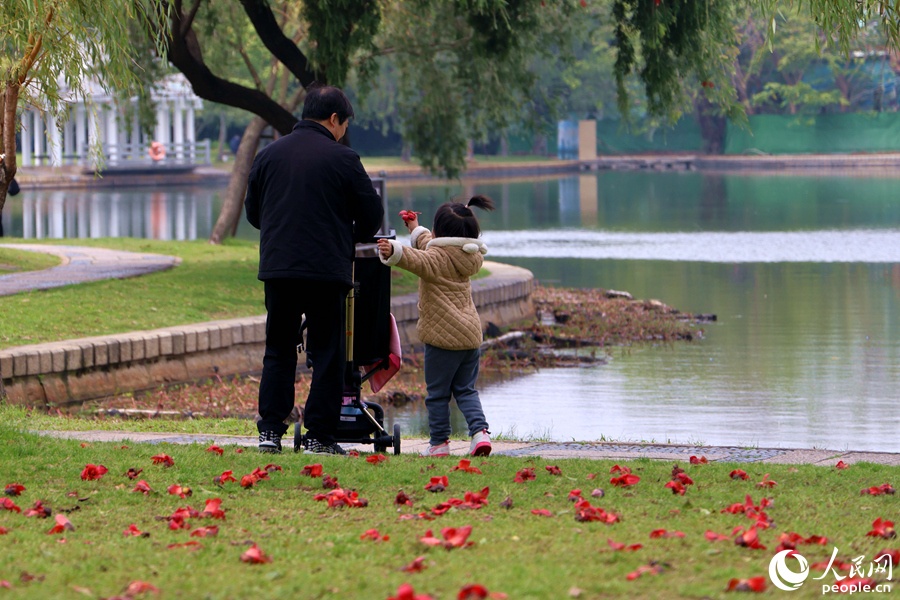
312,200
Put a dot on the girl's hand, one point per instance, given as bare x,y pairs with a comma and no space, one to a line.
385,248
410,219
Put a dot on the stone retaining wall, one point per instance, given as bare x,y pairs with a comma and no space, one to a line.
76,370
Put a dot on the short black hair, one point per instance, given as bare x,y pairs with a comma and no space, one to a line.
455,219
322,101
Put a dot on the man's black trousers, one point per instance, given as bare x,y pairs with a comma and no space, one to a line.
323,303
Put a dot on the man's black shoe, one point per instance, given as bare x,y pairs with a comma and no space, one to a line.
317,447
269,441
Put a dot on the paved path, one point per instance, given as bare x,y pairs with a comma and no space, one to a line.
81,264
544,450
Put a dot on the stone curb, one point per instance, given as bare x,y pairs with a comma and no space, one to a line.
544,450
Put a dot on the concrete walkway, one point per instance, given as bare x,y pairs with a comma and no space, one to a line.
81,264
544,450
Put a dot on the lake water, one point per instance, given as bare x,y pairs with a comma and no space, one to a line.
803,273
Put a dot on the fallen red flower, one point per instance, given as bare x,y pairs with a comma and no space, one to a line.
883,529
254,555
402,499
180,491
749,539
375,459
879,490
752,584
739,474
313,470
541,512
9,505
353,453
476,591
260,473
207,531
626,480
133,531
454,537
216,449
553,470
684,478
662,533
272,467
585,512
699,461
474,499
506,503
766,482
374,535
677,487
224,478
406,592
3,530
329,482
841,465
62,524
142,487
523,475
213,509
163,459
248,481
14,489
137,587
38,510
619,547
416,566
465,465
191,545
133,473
338,498
93,472
715,537
574,495
618,469
437,484
653,568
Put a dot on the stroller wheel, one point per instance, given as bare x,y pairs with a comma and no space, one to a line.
298,438
396,438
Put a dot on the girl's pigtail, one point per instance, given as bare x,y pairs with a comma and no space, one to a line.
482,202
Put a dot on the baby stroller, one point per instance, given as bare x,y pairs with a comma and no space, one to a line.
368,346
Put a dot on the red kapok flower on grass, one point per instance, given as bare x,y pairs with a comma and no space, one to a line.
14,489
712,536
374,535
541,512
313,470
883,529
207,531
272,467
9,505
339,498
677,487
248,481
663,533
216,450
224,478
465,465
62,524
749,539
329,482
437,484
523,475
841,465
180,491
475,499
213,509
683,478
406,592
574,495
619,547
416,566
93,472
260,473
191,545
751,584
255,556
142,487
402,499
374,459
38,510
626,480
476,591
162,459
878,490
653,568
353,453
454,537
134,531
553,470
137,587
699,461
3,530
766,482
585,512
133,473
739,474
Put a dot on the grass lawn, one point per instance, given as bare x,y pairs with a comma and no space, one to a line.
212,282
528,540
17,261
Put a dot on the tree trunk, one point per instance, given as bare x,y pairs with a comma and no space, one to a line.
9,101
712,127
223,130
233,202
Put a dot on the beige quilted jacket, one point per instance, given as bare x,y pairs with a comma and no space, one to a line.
448,318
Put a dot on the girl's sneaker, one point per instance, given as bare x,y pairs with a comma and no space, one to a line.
439,450
481,444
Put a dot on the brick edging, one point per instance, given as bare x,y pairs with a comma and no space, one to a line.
81,369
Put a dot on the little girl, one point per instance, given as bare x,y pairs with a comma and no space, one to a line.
448,325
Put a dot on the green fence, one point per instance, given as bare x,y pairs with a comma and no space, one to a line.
820,134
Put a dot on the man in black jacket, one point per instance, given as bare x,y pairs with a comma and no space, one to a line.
312,200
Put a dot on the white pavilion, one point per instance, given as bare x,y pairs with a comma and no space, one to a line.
99,119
